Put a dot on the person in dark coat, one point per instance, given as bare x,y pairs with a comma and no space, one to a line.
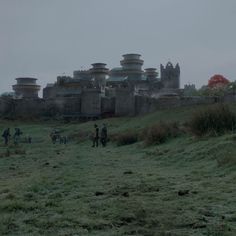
95,136
53,137
104,135
17,135
6,135
29,139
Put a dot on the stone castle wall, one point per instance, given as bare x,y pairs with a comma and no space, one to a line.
28,108
59,106
5,105
91,102
125,103
108,105
230,98
144,105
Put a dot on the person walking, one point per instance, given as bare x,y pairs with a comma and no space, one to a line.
6,135
17,135
95,136
29,139
104,135
53,137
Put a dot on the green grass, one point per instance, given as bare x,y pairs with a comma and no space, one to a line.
74,189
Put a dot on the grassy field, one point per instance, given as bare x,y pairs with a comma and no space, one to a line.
183,187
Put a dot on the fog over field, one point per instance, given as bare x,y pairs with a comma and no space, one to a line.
43,39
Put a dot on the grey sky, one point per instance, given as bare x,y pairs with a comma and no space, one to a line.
45,38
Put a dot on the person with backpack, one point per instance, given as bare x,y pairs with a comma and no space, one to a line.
6,135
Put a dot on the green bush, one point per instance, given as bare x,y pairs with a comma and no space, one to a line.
213,120
226,160
80,136
129,137
161,132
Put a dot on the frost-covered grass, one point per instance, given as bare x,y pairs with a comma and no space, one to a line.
185,186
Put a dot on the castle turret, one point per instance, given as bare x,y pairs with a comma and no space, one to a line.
132,66
26,88
151,74
99,73
170,76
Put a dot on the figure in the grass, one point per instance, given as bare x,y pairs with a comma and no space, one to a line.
17,135
6,135
104,135
29,139
54,135
63,139
95,136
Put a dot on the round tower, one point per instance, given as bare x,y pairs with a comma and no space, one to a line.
99,73
26,87
116,72
132,66
151,74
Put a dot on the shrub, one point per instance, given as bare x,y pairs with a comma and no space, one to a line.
20,151
79,136
161,132
227,160
214,120
7,153
129,137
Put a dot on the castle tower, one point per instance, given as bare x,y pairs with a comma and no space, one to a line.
26,87
170,76
132,66
99,73
151,74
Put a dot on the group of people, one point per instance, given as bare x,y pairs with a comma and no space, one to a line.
98,134
16,137
102,137
56,136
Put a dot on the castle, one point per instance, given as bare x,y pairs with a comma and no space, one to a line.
104,81
99,92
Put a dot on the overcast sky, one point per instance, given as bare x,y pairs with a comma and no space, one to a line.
46,38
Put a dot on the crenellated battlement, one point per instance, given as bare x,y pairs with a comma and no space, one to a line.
170,75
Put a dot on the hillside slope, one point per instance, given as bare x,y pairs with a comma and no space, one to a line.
183,187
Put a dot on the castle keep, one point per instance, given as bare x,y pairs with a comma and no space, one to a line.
99,92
